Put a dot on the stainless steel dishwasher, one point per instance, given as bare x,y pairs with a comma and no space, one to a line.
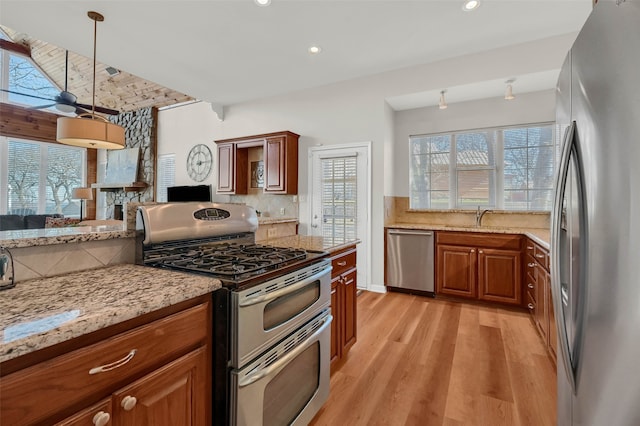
410,259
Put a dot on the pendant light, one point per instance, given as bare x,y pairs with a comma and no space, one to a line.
442,104
89,130
508,94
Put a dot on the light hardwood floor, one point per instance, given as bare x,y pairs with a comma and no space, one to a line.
423,361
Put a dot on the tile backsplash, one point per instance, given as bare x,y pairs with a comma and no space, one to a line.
269,205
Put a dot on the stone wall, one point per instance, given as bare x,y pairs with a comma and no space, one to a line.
140,132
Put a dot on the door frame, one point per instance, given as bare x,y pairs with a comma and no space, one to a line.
349,149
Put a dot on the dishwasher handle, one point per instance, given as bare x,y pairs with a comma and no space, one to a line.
409,232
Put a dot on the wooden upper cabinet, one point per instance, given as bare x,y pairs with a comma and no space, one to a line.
281,164
280,156
232,166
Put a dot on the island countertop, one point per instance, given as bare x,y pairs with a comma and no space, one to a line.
43,312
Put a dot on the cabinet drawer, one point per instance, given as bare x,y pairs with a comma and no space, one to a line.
38,392
542,256
343,261
472,239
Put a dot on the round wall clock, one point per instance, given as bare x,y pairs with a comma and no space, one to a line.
199,162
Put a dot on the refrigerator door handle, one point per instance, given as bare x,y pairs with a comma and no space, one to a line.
557,257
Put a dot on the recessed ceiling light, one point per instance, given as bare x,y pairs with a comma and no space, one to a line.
470,5
314,50
263,2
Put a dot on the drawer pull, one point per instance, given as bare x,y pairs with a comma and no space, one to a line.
531,265
472,251
530,306
101,418
114,365
342,263
128,402
529,247
530,285
540,256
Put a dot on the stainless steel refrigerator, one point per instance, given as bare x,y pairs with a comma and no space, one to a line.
596,222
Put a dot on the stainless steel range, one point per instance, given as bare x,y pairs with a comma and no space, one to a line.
271,318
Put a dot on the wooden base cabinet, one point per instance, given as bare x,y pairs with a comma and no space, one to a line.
479,266
538,288
155,373
343,304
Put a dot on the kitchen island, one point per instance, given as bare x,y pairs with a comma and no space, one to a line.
95,343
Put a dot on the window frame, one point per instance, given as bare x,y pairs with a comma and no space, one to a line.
43,168
497,199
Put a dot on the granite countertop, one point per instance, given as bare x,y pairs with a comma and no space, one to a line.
42,312
539,235
50,236
311,243
271,220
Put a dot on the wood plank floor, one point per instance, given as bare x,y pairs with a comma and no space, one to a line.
422,361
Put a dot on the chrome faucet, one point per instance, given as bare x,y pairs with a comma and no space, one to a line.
479,214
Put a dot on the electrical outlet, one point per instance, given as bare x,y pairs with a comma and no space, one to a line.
272,232
281,211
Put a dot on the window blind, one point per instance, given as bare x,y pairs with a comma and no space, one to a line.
339,198
166,175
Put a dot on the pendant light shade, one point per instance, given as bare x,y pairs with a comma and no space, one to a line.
508,94
90,130
442,104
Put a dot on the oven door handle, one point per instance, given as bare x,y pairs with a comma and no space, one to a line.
254,300
276,367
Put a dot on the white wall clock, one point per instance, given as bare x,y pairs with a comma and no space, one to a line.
199,162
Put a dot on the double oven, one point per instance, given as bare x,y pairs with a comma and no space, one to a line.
272,318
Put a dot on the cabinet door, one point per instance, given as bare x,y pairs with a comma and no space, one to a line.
542,312
553,334
175,394
336,312
456,271
499,276
226,168
349,321
275,164
98,414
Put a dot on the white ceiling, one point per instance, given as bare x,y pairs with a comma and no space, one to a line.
232,51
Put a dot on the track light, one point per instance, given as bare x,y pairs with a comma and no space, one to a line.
442,104
508,94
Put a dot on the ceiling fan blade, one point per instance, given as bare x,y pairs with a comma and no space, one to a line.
26,94
101,110
43,106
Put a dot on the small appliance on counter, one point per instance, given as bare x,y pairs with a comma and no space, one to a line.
7,276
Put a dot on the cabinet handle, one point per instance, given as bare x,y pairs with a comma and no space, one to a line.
114,365
342,263
530,306
531,265
472,251
540,256
480,251
101,418
128,402
529,247
347,282
530,285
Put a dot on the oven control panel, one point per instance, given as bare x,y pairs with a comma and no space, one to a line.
211,214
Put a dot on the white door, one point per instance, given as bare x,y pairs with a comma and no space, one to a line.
339,190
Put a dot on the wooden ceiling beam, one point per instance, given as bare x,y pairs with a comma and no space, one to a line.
18,48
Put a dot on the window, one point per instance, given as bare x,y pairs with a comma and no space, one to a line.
38,177
339,180
27,85
509,168
166,175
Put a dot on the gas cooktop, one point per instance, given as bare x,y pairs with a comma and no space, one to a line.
233,263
